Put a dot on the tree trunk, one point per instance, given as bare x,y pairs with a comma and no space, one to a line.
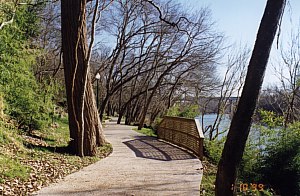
108,109
136,111
121,113
74,45
145,109
241,122
103,106
153,116
128,115
92,120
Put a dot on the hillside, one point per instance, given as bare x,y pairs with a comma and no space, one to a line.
30,162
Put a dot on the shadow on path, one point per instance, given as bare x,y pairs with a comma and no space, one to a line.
151,148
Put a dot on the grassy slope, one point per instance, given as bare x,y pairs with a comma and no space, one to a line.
30,162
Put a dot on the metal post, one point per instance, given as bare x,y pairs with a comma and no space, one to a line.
97,95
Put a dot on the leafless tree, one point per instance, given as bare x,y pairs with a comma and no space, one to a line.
241,122
226,94
288,74
150,50
49,41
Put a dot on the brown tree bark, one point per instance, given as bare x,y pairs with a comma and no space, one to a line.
84,139
241,122
145,109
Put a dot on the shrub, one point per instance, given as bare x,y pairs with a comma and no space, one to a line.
25,99
280,166
213,149
270,119
187,112
273,158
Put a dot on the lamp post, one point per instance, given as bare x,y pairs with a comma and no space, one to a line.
97,78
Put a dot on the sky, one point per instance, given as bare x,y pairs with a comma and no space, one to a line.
239,21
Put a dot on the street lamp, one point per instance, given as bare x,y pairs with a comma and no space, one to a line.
97,78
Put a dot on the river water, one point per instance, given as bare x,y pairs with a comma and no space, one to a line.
209,119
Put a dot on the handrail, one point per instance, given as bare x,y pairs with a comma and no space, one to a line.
184,132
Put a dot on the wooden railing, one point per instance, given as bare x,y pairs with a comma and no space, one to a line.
184,132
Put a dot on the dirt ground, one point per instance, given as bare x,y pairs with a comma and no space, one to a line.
138,166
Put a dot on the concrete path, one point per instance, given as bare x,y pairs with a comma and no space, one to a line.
138,166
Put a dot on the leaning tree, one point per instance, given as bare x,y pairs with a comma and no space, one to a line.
241,122
86,131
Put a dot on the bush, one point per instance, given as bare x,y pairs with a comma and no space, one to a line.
280,165
213,149
26,100
187,112
270,119
271,156
273,159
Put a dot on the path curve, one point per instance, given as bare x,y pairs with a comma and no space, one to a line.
138,166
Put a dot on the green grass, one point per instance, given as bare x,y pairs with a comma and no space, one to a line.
35,164
10,141
56,135
12,168
8,133
146,131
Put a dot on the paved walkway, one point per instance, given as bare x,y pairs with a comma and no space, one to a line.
138,166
